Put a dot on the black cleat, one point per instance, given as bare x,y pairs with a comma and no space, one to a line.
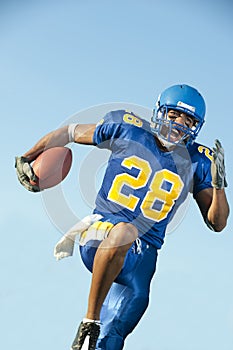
88,328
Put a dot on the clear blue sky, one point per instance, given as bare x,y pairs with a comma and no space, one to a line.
62,57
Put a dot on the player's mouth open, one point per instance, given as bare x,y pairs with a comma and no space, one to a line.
175,135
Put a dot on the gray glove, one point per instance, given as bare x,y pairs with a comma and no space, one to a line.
25,173
218,167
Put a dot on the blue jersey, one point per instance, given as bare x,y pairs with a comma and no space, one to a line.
142,184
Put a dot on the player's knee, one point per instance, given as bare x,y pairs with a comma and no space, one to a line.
122,235
120,239
139,304
135,307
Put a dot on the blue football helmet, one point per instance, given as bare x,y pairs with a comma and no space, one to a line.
184,99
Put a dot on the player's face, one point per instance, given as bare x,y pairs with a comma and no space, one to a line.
180,120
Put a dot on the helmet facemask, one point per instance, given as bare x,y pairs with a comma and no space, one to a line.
184,99
169,132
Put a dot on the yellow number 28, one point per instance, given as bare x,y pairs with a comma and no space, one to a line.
155,193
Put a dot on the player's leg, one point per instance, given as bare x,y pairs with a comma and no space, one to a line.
128,299
108,262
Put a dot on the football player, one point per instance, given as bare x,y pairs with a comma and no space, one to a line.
152,168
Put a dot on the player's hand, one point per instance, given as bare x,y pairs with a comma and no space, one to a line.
26,174
218,167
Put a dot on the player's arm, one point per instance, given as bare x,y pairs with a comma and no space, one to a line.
213,201
214,207
78,133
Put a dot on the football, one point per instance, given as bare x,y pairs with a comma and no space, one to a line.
52,166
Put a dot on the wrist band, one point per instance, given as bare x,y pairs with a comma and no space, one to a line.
71,130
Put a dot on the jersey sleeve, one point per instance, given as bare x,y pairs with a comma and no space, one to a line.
202,174
108,129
